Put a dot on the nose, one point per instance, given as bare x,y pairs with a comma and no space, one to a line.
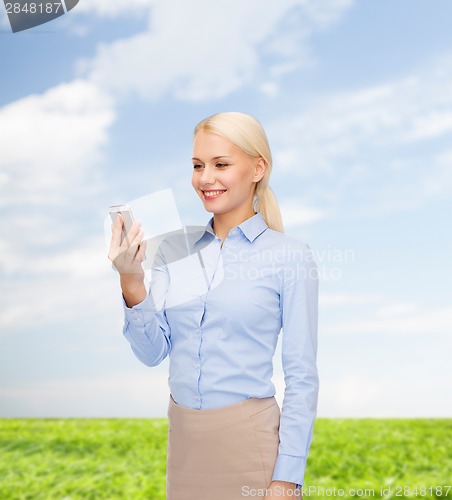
206,177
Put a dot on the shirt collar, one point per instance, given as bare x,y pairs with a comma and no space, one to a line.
251,228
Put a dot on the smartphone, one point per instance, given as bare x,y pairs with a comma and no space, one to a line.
127,217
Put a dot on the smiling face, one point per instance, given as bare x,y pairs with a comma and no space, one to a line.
224,176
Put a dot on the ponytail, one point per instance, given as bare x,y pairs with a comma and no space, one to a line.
265,202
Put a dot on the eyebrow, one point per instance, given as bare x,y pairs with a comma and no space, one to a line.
214,158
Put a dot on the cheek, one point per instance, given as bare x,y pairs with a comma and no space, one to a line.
244,180
236,180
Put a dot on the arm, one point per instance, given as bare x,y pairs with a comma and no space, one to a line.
299,304
145,324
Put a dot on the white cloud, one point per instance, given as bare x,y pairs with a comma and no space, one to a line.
353,387
324,14
359,395
270,89
143,393
399,321
293,212
51,146
430,124
401,308
199,51
348,299
340,124
362,146
51,141
46,288
109,9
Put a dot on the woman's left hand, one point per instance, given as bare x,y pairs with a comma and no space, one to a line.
284,490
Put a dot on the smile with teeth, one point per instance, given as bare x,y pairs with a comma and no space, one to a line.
213,194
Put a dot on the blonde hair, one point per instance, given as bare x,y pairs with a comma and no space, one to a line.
245,132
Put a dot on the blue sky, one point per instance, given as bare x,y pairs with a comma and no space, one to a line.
98,107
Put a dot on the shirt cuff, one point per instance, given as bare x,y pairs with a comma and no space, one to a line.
140,313
290,469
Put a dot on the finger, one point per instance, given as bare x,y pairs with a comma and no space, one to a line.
116,245
136,237
134,245
141,254
116,230
131,235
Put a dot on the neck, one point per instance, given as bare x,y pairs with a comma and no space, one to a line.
223,223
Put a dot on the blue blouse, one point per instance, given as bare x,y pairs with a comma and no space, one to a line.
217,311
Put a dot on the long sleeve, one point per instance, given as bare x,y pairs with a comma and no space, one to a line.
145,324
299,304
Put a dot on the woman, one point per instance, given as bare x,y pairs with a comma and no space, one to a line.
227,436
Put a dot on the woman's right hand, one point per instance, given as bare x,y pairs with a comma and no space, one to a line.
127,258
128,255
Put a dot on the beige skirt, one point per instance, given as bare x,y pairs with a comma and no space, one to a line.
221,453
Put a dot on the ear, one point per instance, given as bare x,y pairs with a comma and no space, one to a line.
259,169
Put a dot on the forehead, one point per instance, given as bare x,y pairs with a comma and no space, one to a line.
209,144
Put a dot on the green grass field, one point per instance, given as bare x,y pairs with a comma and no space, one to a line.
125,459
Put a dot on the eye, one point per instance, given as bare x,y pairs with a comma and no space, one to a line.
197,166
222,165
